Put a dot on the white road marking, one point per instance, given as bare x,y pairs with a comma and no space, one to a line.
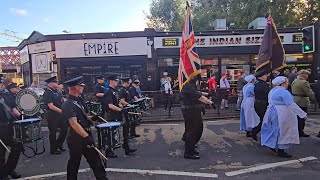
268,166
160,124
163,172
137,171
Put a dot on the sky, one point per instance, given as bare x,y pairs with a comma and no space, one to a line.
22,17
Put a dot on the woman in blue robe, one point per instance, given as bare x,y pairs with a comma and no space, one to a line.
280,124
248,116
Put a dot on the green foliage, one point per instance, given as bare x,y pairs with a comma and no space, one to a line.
168,15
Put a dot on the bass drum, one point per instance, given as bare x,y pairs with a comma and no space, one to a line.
28,102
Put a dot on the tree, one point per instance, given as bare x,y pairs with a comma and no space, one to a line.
165,15
169,14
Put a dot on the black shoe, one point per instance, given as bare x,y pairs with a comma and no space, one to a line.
188,156
254,136
196,153
111,154
128,151
304,135
55,152
273,150
248,134
14,175
183,138
196,146
62,149
283,154
135,135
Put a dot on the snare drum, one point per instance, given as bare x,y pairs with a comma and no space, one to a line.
133,113
94,107
28,130
141,103
110,135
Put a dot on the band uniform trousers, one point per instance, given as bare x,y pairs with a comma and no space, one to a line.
126,128
6,135
55,122
168,101
77,148
302,122
260,108
194,128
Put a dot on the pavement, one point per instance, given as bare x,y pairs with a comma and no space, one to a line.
225,154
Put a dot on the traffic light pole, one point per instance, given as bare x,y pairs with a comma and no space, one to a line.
316,54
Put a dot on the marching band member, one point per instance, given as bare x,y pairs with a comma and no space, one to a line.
8,114
134,96
53,100
114,112
80,141
191,111
280,124
125,100
261,90
99,91
248,116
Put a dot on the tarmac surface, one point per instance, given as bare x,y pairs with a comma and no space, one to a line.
225,154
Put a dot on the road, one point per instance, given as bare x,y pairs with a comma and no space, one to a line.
225,154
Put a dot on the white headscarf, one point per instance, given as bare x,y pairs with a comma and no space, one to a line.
278,80
250,78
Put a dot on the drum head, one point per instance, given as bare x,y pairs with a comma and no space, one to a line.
28,102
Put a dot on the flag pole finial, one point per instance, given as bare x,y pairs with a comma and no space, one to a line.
188,5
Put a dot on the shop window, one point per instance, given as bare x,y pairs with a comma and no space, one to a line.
292,58
235,60
168,62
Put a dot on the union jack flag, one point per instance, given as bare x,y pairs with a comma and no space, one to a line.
189,65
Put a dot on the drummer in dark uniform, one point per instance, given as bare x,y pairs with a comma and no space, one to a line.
114,112
80,141
8,114
125,100
13,89
53,99
99,91
134,96
191,111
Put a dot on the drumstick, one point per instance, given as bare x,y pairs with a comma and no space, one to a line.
104,157
100,117
144,112
134,113
4,146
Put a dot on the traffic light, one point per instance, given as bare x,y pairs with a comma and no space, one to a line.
308,39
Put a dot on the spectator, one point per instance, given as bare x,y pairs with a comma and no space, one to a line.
286,72
293,75
212,84
163,80
148,85
225,86
167,94
240,84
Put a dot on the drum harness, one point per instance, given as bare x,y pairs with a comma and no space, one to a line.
9,113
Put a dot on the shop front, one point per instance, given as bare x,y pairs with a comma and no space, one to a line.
126,57
232,51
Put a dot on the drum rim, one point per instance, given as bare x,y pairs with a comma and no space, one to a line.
35,109
110,124
28,120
